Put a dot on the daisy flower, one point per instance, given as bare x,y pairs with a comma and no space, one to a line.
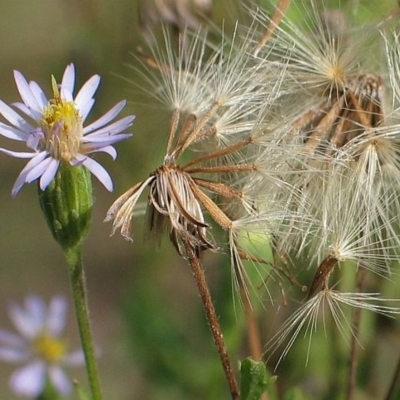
39,345
53,129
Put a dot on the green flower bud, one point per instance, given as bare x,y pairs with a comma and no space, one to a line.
67,205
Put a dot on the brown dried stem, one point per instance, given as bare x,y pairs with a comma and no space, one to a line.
212,320
276,19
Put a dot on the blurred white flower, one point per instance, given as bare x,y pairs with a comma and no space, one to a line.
39,345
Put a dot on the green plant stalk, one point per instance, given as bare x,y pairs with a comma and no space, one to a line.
79,293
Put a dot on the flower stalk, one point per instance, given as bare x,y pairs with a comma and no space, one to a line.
79,293
212,319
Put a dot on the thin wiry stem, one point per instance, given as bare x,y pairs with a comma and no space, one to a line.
394,383
218,153
279,13
212,319
355,344
222,169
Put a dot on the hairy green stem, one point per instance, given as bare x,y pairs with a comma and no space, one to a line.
79,293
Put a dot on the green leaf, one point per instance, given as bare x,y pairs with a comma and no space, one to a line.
255,379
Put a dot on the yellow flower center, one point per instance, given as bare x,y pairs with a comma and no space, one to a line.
62,126
48,348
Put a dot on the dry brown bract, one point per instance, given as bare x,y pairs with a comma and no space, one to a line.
345,114
177,195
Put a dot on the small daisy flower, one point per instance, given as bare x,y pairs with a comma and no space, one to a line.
54,129
39,345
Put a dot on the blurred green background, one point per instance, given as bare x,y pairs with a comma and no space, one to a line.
146,313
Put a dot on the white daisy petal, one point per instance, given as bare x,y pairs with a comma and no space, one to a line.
29,380
22,321
11,355
14,118
49,174
106,118
39,94
37,159
26,93
108,149
104,140
13,133
38,170
99,172
23,107
36,309
56,316
68,83
75,358
85,109
11,340
87,91
114,128
18,154
60,380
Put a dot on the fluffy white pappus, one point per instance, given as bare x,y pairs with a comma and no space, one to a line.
392,47
196,73
315,311
352,228
256,258
322,51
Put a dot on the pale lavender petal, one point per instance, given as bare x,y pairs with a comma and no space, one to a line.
22,176
85,109
22,321
13,133
107,149
56,315
97,142
14,118
29,380
11,339
22,107
29,320
60,380
114,128
87,91
74,359
26,94
38,170
36,309
13,355
37,91
106,118
49,174
18,154
68,83
99,172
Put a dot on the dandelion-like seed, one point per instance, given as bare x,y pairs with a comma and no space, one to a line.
178,195
38,344
315,309
54,129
